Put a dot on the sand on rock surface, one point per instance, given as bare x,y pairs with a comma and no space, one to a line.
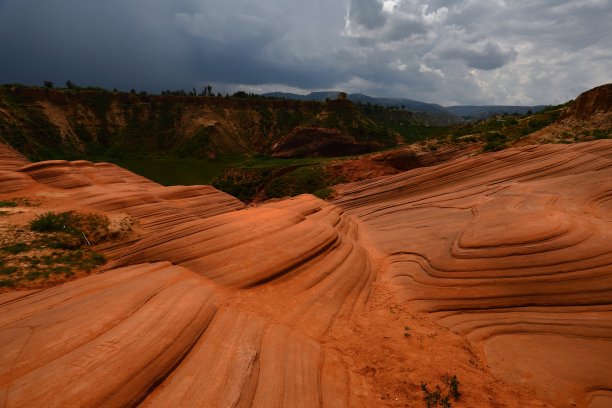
496,269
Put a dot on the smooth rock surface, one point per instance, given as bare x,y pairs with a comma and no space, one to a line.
494,268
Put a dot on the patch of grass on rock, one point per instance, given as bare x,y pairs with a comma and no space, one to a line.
55,247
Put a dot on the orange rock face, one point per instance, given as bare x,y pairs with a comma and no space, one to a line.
513,251
494,268
595,101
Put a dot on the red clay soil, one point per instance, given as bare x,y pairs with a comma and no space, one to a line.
494,268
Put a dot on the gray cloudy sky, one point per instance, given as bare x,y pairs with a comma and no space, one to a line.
448,52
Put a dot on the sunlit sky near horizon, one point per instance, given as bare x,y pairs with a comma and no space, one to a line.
446,52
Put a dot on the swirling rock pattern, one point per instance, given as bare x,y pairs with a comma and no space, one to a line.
103,340
512,250
496,268
235,297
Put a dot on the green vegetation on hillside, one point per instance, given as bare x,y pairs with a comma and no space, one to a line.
176,171
92,123
405,124
199,138
498,131
264,178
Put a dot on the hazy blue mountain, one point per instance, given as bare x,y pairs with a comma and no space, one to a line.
483,112
408,104
446,115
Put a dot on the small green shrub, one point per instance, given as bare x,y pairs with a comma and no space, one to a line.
323,193
454,388
88,227
433,398
99,259
15,248
8,270
20,201
6,283
51,222
495,141
602,133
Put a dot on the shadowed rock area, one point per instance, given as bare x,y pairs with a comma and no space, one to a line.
315,142
495,268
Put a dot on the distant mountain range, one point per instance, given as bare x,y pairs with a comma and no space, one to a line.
483,112
451,113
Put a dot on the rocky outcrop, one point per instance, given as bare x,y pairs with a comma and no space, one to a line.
494,268
320,142
50,124
589,117
398,160
596,101
510,250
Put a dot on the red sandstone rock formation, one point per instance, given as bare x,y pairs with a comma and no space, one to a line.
495,268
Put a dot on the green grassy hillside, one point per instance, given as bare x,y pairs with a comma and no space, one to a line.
97,124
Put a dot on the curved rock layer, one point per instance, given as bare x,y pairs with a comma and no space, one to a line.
10,159
512,250
255,292
108,188
287,304
104,340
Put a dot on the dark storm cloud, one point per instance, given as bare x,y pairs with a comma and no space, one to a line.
405,28
464,51
110,43
263,45
485,56
366,13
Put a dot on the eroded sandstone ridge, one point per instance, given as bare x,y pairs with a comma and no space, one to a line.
495,268
513,251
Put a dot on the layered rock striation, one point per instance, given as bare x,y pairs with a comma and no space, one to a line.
495,268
